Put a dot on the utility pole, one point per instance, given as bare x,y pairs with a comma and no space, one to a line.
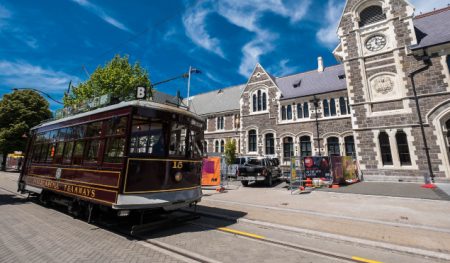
189,86
315,101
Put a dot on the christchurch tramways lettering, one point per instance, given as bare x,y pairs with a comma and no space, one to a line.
79,190
73,189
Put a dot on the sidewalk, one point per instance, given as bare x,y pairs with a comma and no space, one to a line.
411,222
409,190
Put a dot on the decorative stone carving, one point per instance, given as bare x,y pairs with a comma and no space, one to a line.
383,84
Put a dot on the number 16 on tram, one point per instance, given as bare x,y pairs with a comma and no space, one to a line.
135,155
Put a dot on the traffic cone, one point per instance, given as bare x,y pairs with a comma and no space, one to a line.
308,182
429,186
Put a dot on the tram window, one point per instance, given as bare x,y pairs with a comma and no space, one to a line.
92,150
68,150
196,147
59,152
78,132
114,150
50,152
36,152
78,152
53,135
178,140
65,134
147,137
116,126
156,139
94,129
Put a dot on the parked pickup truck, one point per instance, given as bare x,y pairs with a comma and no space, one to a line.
259,169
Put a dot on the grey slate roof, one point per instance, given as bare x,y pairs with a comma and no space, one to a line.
312,82
216,101
161,97
432,28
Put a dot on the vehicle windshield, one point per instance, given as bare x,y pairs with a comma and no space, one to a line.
255,162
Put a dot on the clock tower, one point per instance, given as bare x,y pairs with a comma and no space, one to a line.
375,36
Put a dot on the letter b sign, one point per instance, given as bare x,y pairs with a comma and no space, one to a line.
141,93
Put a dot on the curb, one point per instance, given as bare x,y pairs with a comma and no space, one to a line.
352,240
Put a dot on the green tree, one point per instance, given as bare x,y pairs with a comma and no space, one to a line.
229,153
19,111
118,78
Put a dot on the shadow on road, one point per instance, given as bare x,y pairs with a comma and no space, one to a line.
10,199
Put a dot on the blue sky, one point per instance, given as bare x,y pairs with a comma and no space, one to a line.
48,43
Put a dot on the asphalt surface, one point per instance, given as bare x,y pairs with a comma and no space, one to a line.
31,232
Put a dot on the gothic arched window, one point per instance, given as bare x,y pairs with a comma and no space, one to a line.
343,106
222,146
306,110
370,15
270,144
259,101
216,149
333,107
333,146
299,111
385,148
283,113
403,149
289,112
252,141
288,148
305,146
349,146
326,108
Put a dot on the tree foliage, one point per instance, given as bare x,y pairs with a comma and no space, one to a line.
19,111
118,78
230,152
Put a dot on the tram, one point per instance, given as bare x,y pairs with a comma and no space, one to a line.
131,156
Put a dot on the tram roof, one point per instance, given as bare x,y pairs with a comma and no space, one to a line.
123,104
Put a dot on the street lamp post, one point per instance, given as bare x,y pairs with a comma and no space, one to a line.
39,91
315,101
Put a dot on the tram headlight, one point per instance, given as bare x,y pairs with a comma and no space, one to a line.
178,176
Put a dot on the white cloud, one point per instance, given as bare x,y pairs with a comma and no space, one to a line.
21,74
4,12
98,11
426,6
282,69
244,14
327,35
194,23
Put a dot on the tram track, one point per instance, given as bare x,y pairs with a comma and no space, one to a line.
184,254
190,256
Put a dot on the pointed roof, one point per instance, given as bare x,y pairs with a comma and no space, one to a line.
312,82
216,101
432,28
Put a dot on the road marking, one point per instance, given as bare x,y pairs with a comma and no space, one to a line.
237,232
365,260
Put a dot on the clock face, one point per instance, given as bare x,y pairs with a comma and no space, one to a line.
376,43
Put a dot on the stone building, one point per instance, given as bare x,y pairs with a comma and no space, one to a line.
365,106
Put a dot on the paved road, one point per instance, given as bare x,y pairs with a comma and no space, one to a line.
30,232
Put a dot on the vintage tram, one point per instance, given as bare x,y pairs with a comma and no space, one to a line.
131,156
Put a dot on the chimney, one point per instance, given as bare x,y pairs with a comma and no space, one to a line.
320,64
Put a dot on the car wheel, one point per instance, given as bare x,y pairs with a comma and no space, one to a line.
244,183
